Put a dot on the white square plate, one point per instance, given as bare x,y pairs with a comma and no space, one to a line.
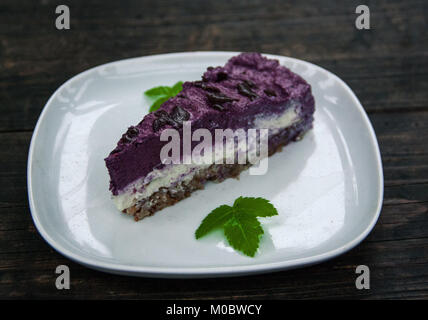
328,188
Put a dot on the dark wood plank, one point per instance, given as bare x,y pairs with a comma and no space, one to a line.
13,179
402,264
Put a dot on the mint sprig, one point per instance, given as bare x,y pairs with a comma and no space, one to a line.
239,223
243,232
159,95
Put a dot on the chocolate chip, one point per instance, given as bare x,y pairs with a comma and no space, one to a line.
132,132
218,98
249,83
270,93
116,150
179,115
212,89
245,90
199,84
129,135
222,76
158,123
218,107
161,114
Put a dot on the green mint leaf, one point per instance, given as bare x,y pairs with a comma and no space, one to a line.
176,88
243,232
239,223
156,105
257,207
157,92
217,218
159,95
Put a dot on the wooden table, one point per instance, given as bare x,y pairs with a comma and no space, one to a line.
386,66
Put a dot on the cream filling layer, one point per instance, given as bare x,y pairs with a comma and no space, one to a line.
175,173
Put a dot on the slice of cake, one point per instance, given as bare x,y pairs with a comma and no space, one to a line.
249,92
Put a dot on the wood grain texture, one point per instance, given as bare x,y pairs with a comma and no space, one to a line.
386,66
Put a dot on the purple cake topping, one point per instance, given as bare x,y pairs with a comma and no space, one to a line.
227,97
244,88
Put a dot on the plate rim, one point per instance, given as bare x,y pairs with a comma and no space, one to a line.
202,272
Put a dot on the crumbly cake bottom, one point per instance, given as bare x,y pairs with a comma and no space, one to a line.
166,197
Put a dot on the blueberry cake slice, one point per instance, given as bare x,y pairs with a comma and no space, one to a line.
249,92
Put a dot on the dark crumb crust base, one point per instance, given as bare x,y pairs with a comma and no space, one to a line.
166,197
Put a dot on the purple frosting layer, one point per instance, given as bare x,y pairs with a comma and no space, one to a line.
257,85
